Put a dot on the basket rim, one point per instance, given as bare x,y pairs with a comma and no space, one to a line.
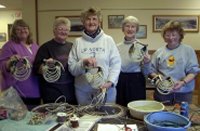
146,111
171,113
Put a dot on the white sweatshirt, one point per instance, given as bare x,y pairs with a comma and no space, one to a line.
104,49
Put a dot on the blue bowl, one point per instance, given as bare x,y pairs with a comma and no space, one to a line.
166,121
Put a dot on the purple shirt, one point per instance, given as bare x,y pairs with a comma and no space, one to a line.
28,88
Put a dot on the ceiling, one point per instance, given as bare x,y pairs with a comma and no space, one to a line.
11,4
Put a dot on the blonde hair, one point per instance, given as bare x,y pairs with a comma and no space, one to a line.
62,20
91,11
173,26
130,19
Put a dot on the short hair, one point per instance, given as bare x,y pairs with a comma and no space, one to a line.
13,35
91,11
62,20
130,19
173,26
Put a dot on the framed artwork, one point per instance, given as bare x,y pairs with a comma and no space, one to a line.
2,37
142,33
115,21
190,22
76,25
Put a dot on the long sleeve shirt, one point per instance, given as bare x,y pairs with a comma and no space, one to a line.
176,63
29,87
128,63
104,49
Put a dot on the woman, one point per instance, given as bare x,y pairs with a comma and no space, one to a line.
177,61
20,46
57,49
135,64
94,49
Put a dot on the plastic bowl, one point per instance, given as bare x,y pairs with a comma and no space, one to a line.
166,121
138,109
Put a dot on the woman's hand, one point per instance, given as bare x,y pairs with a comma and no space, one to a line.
107,85
49,60
89,62
10,60
178,85
147,58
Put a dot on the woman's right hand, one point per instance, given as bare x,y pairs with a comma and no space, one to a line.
48,60
10,60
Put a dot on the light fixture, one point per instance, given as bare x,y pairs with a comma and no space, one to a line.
2,6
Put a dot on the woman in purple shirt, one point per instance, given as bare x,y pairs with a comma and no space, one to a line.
20,47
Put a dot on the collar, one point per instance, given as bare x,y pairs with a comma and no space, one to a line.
94,34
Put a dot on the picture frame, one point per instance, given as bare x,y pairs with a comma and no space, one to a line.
76,25
2,37
142,32
190,22
115,21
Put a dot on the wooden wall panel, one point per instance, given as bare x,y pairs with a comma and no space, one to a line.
197,82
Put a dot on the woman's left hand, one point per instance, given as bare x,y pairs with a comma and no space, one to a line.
147,58
178,85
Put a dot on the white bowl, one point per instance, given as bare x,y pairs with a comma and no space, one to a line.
138,109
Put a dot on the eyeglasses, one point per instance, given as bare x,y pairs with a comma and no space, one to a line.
128,26
62,29
21,28
171,34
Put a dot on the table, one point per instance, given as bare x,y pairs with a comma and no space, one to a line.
194,115
141,126
11,125
21,125
139,123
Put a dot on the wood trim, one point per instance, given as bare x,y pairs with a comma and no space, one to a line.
197,82
36,21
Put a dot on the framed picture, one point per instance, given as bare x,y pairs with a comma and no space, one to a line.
115,21
2,37
142,33
190,22
76,25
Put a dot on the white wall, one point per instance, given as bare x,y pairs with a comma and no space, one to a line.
143,9
8,17
29,15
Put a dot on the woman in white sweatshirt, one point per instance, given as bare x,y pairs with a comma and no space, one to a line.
94,49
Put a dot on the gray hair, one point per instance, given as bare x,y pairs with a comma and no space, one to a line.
130,19
62,20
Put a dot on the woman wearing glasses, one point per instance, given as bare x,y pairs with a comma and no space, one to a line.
135,64
176,61
56,82
22,50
